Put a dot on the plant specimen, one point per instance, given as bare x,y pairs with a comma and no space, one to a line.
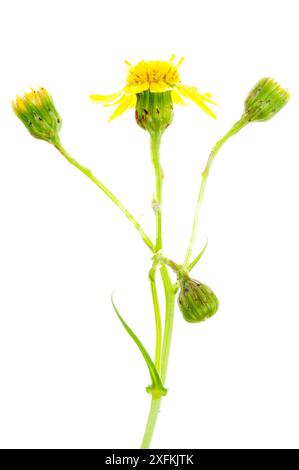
152,88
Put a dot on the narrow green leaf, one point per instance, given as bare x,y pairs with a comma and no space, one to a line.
157,386
195,261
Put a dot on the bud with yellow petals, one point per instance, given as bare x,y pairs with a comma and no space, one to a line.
37,112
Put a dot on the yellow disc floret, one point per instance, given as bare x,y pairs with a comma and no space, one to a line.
155,75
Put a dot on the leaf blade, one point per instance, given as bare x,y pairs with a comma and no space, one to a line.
157,385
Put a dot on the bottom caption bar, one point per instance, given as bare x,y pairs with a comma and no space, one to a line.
139,459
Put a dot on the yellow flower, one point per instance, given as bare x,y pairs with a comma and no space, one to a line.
156,77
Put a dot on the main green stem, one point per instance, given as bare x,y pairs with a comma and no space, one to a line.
162,350
151,422
204,177
169,289
152,278
108,193
170,292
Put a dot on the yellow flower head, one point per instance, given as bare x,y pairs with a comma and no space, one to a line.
37,111
155,77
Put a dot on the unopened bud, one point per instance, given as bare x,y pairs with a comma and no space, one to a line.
37,111
265,100
197,301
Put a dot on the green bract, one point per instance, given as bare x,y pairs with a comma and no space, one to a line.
37,111
154,111
197,301
265,100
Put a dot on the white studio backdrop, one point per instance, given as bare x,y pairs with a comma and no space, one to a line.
70,377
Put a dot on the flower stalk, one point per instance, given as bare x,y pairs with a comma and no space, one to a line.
204,178
157,202
106,191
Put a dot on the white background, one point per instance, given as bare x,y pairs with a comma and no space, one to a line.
70,377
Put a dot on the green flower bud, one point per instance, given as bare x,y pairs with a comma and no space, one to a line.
154,111
37,111
197,301
265,100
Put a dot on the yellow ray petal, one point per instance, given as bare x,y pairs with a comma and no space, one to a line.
119,101
105,98
115,103
196,97
137,88
159,87
207,97
176,98
126,103
195,92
